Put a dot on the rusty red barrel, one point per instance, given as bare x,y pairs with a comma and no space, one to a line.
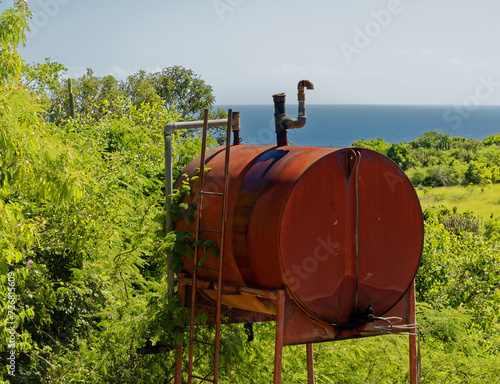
340,228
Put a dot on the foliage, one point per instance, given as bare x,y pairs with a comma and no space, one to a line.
377,144
491,140
435,159
94,97
33,161
479,172
183,91
176,89
432,140
13,25
43,78
492,228
81,235
460,269
400,154
36,170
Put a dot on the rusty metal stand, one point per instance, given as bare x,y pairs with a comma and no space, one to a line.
278,346
414,358
294,327
178,352
193,304
310,364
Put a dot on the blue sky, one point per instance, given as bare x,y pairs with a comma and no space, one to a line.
355,52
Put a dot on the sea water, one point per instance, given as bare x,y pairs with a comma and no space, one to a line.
341,125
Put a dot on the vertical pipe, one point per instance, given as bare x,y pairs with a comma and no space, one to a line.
235,123
414,376
280,113
310,364
167,220
278,346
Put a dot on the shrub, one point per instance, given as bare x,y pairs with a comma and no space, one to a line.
479,172
492,140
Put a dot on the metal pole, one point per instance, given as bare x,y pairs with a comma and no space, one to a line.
278,346
197,248
414,371
310,364
178,356
167,220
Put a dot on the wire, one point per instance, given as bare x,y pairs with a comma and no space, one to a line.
393,330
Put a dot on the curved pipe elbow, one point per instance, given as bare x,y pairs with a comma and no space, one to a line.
290,123
169,128
304,84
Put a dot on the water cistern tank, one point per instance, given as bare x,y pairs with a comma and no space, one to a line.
340,228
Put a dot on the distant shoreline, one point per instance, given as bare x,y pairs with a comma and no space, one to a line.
338,125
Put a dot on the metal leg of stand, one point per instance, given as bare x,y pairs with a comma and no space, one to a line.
178,365
310,364
414,376
178,356
278,347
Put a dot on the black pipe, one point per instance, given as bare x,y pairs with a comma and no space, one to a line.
282,122
236,128
279,115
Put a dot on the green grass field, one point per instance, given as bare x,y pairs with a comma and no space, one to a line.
482,201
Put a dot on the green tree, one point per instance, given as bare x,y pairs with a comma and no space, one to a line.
44,78
432,139
141,89
13,26
377,144
400,154
95,97
479,172
183,91
36,169
491,140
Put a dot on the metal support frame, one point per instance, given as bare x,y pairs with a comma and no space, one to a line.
413,338
284,309
310,364
279,297
167,132
278,346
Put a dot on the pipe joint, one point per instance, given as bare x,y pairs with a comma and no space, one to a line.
282,121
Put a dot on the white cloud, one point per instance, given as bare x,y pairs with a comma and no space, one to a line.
76,72
119,73
427,52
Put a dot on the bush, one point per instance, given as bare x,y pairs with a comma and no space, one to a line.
432,139
400,154
492,228
377,144
492,140
479,172
443,175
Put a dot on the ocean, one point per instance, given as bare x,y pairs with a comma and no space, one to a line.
340,125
